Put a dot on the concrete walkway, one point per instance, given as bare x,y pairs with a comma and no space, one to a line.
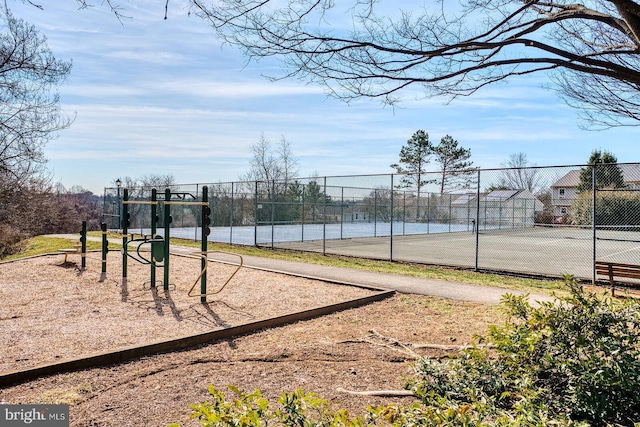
404,284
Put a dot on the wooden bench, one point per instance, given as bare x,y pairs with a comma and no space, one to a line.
77,249
618,270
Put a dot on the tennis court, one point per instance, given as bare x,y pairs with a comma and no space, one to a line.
542,250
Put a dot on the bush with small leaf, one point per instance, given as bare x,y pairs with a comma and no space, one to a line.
571,362
577,358
296,409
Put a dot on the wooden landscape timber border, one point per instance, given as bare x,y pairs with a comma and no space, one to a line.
134,352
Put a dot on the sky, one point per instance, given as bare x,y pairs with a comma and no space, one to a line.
155,96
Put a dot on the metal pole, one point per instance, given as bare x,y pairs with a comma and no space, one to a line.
120,207
105,246
302,225
404,212
391,224
341,213
273,210
375,213
255,217
428,210
450,219
324,219
167,237
195,231
231,217
204,247
477,230
154,226
83,245
125,214
593,220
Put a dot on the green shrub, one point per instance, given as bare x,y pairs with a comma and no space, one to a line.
577,358
10,240
613,208
571,362
248,410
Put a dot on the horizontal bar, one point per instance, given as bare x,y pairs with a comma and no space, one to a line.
187,203
138,202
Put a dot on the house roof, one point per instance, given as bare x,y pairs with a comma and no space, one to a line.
630,172
502,194
570,179
464,199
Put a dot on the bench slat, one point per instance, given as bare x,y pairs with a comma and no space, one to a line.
617,270
625,275
616,264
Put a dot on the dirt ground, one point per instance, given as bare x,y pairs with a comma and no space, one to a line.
366,348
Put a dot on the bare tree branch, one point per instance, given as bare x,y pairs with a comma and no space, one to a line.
592,43
372,48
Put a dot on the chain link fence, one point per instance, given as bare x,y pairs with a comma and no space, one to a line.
536,220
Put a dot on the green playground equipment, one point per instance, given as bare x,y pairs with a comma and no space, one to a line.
158,244
159,250
79,248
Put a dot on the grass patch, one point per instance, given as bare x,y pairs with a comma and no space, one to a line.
415,270
41,245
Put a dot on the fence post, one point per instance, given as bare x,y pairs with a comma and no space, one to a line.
231,216
391,224
593,220
375,212
477,228
450,218
428,209
273,209
255,216
195,216
404,212
304,186
341,212
324,217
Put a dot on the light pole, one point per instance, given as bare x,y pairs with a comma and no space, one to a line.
118,184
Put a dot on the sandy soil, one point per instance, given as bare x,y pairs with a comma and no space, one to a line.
50,311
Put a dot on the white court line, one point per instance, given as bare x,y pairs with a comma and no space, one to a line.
626,250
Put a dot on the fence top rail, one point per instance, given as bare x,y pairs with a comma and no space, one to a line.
320,179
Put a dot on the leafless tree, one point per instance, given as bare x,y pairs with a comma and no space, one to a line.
589,47
29,117
269,163
520,174
29,112
374,48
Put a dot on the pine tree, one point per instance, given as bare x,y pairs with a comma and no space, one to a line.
454,164
415,156
608,173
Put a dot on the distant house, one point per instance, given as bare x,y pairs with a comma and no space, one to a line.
356,216
515,208
508,208
463,207
564,190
